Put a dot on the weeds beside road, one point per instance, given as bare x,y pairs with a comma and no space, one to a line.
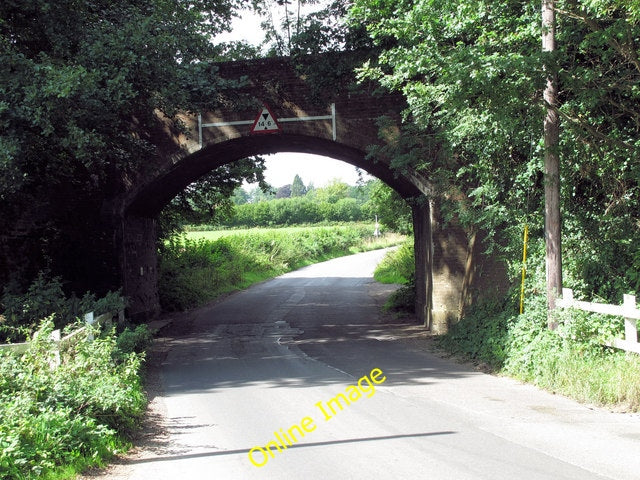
571,361
55,422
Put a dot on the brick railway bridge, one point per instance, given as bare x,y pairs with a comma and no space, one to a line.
339,120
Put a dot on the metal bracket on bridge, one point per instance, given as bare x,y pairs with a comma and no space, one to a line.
331,117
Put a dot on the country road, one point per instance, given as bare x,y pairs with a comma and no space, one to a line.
302,377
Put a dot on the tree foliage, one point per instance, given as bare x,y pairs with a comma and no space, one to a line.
335,202
82,88
472,75
390,208
297,187
305,27
210,200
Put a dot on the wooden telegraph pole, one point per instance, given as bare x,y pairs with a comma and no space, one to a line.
551,163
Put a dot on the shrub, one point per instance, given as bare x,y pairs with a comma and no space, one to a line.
130,341
22,312
481,336
403,300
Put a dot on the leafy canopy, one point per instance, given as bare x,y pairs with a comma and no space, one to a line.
82,88
472,75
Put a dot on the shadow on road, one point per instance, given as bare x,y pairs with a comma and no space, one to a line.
167,458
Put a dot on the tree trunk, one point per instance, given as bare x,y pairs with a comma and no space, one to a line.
551,163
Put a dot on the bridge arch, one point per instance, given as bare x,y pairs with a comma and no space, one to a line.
339,120
152,197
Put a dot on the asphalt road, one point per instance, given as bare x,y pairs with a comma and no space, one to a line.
257,373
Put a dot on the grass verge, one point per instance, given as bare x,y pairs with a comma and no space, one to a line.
398,266
569,361
195,269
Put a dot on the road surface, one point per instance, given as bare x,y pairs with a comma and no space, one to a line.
302,377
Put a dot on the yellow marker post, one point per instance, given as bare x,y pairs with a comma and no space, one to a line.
524,266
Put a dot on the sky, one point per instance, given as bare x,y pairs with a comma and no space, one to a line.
282,167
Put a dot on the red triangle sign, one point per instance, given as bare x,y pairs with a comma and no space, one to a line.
265,122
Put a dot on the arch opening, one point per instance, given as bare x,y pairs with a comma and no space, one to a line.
138,258
149,200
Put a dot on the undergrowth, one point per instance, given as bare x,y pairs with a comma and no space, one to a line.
57,421
398,266
21,312
571,360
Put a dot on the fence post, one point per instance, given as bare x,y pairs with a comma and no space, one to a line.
89,320
55,361
567,295
630,327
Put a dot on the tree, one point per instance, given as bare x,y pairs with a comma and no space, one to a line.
278,29
297,187
301,28
551,161
83,84
284,191
335,190
392,210
209,200
240,196
258,194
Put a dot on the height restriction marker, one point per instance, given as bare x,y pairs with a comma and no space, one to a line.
265,122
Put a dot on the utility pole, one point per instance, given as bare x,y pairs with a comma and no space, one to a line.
551,162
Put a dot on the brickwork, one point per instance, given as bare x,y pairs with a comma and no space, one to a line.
139,266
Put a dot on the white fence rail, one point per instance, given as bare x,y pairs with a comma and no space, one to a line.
627,310
71,339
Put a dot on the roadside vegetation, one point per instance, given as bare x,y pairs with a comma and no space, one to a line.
196,270
571,361
398,266
58,421
86,84
22,312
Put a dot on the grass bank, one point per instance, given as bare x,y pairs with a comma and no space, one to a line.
398,266
199,266
570,361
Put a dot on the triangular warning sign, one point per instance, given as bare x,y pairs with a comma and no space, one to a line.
265,122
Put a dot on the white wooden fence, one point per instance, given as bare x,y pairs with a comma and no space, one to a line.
627,310
74,337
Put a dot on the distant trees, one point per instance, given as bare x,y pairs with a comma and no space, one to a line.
336,202
284,191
